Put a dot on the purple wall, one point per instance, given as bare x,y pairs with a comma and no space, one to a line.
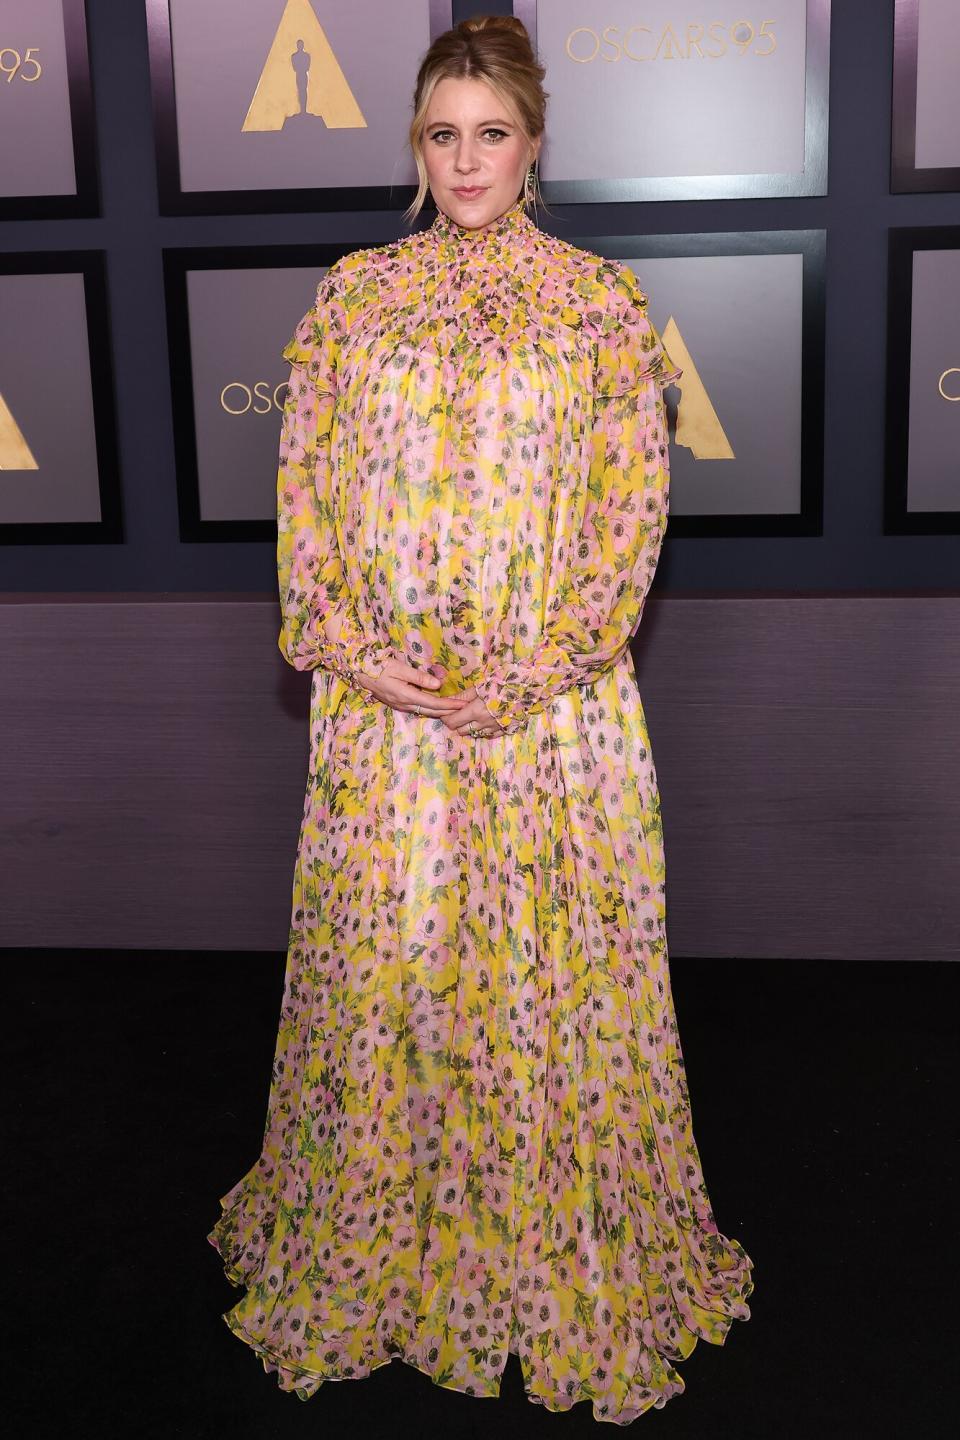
807,748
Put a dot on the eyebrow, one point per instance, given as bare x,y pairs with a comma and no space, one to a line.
450,125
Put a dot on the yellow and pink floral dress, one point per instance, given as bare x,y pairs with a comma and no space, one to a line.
478,1137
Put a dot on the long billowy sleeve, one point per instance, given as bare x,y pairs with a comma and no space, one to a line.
320,626
608,561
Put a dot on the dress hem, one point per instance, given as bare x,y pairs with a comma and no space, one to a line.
274,1361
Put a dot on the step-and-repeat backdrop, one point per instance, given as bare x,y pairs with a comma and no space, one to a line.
804,736
303,105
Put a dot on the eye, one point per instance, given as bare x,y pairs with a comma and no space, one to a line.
492,130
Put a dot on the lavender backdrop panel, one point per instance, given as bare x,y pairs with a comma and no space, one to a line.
938,84
36,129
739,319
667,89
240,319
307,93
48,452
934,448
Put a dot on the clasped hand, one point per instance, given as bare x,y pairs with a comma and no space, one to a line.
406,688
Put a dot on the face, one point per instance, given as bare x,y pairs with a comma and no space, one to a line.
475,152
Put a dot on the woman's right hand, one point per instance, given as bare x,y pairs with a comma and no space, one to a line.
405,688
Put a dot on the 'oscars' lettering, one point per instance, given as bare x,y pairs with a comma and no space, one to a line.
946,379
246,400
639,42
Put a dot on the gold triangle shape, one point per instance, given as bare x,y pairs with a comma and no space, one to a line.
15,453
329,95
698,424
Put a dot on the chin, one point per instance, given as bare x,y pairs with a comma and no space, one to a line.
475,212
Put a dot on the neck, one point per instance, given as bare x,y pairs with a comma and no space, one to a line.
513,221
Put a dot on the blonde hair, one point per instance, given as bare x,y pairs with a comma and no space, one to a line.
497,50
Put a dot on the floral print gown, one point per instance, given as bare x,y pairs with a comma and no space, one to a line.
478,1136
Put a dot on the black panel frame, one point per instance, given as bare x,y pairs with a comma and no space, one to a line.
173,200
812,180
177,262
812,245
905,177
903,241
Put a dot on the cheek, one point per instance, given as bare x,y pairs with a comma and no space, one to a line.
433,160
509,157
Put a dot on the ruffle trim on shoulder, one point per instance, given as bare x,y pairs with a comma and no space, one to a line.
311,346
315,342
304,340
631,359
630,350
630,374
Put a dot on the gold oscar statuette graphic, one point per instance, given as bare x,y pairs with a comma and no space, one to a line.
15,453
698,424
302,76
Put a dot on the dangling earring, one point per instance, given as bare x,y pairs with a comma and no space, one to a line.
528,184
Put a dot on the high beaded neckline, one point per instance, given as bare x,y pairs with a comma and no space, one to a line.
514,223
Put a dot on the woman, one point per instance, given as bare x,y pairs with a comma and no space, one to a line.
478,1137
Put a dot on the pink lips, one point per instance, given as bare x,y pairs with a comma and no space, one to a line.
471,192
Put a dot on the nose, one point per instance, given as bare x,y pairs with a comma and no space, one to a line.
466,160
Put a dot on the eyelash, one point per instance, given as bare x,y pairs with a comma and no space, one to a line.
492,130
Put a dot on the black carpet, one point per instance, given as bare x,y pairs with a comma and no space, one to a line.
824,1108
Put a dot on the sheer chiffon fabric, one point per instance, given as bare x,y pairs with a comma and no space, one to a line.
479,1135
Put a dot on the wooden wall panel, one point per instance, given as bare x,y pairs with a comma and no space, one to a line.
807,748
808,752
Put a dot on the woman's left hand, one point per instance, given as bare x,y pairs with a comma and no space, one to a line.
473,718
